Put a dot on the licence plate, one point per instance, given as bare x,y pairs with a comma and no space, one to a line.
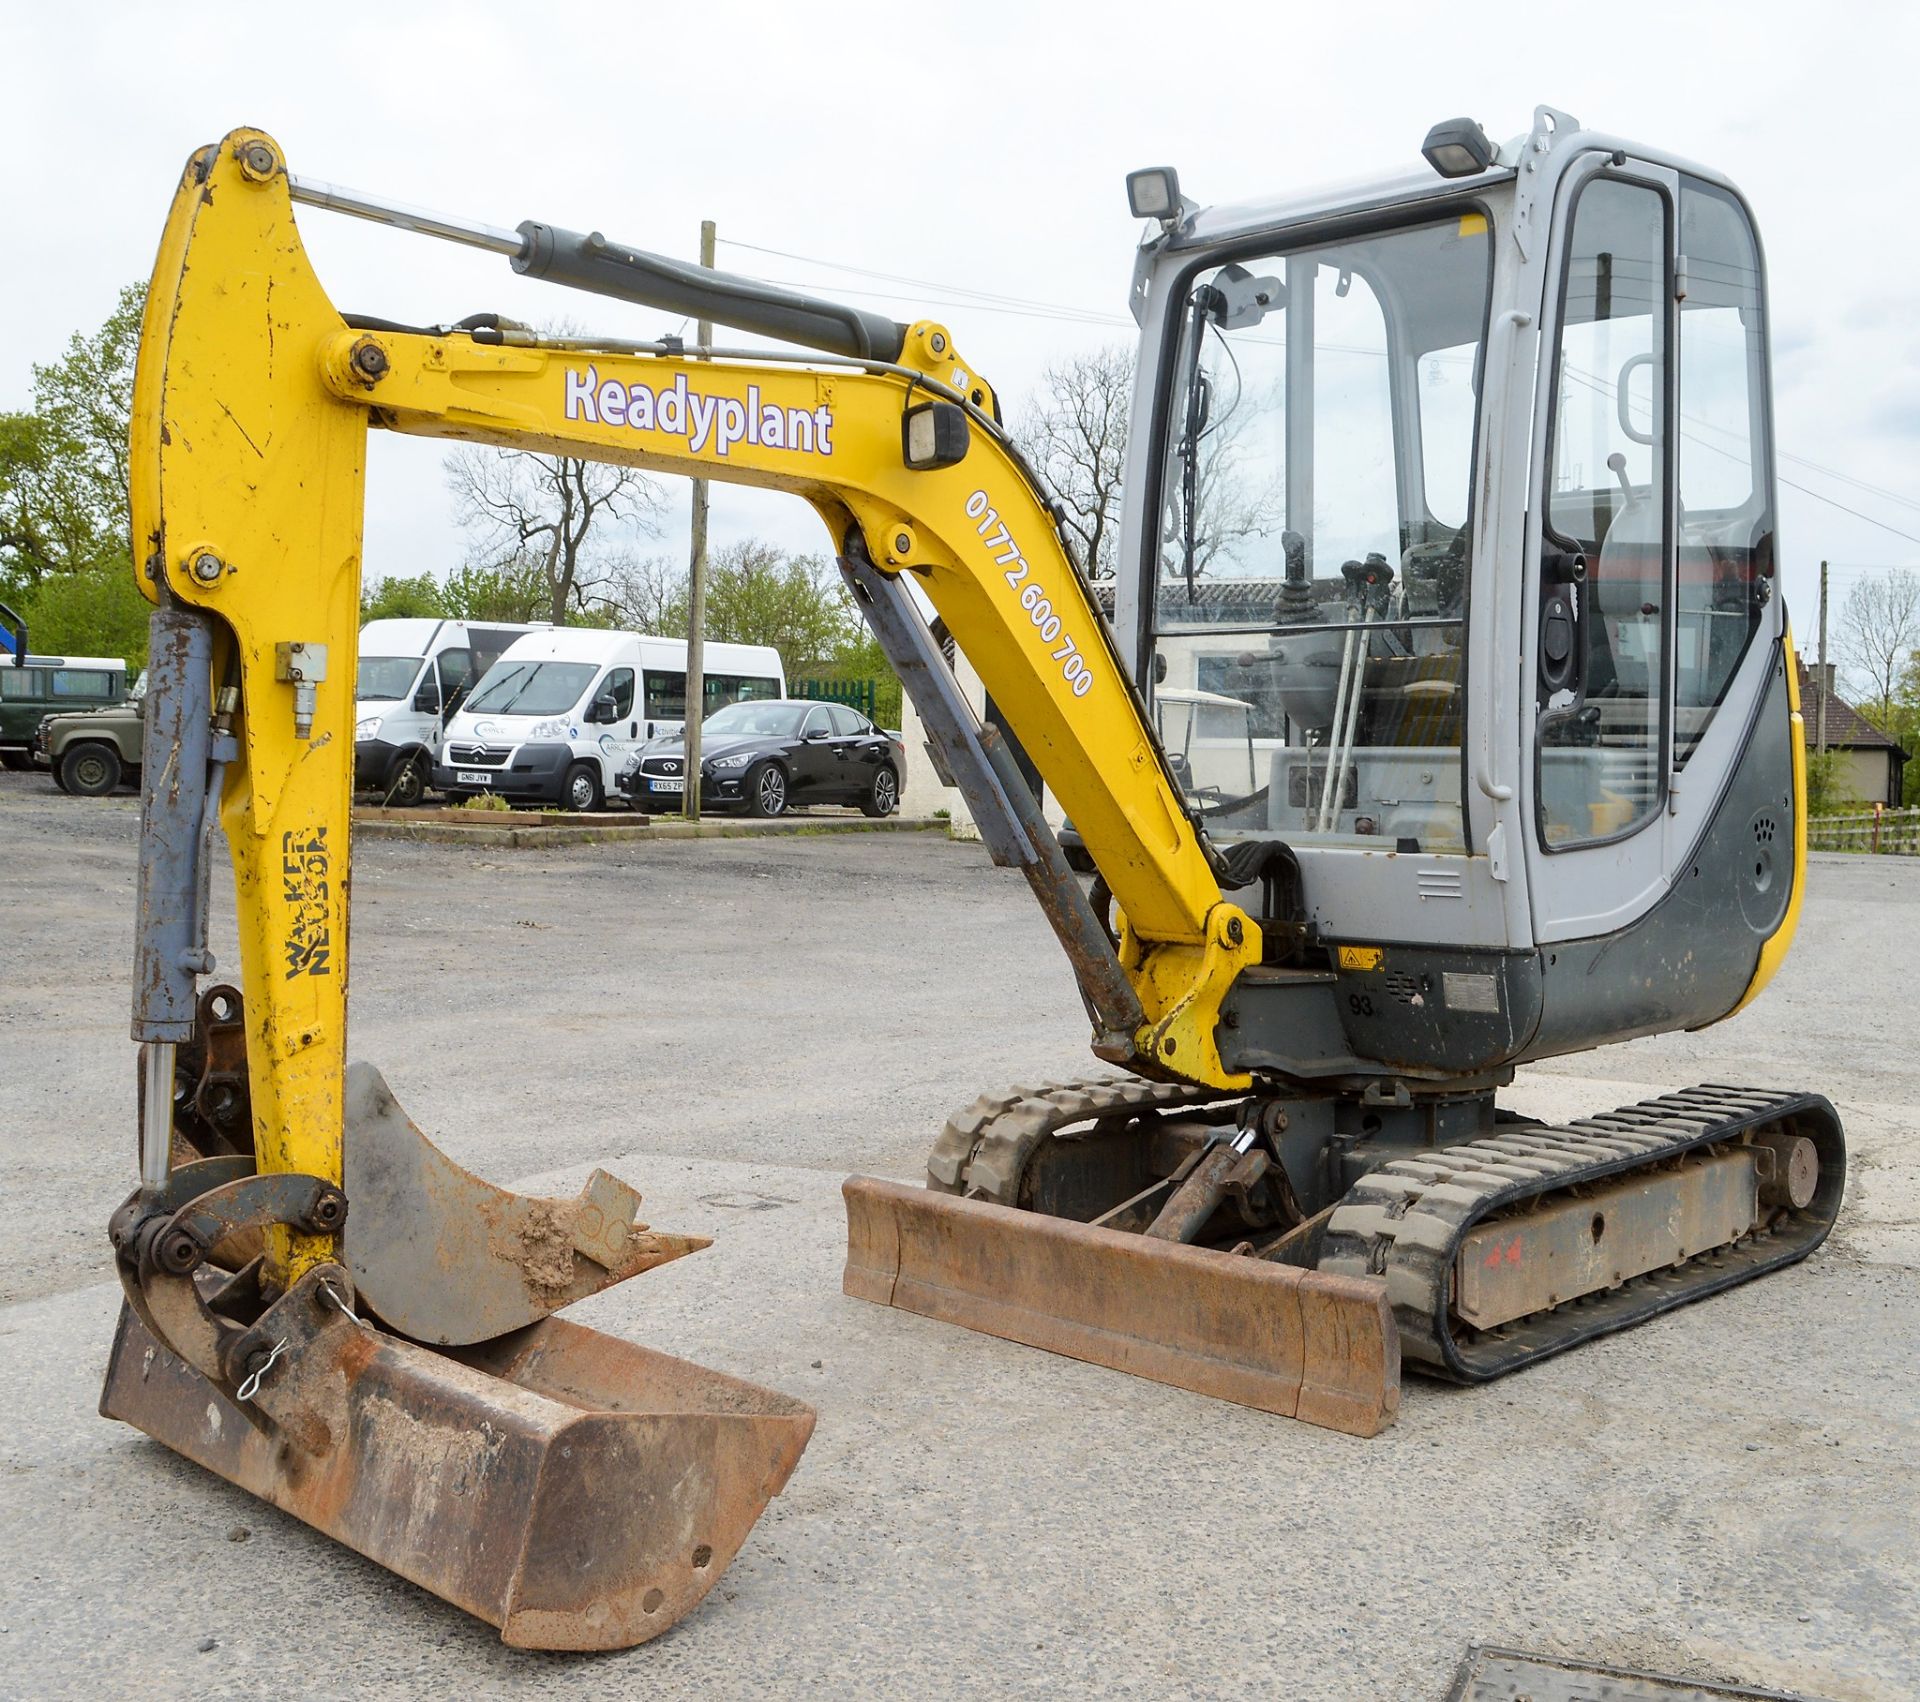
666,785
471,777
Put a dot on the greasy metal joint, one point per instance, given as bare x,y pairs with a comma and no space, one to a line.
258,161
206,566
369,362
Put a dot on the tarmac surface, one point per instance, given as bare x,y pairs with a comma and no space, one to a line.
1730,1492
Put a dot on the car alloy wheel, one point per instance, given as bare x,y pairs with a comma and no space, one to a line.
770,792
884,798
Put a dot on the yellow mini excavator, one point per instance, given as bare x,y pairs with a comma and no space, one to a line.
1442,718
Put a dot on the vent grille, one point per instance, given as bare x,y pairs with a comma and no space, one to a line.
483,756
1440,883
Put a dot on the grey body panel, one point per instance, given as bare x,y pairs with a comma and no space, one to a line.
1377,893
1690,959
1444,1013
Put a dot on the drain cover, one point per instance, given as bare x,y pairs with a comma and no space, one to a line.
1509,1675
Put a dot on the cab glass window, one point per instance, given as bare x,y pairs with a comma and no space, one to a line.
1601,682
1312,542
1725,560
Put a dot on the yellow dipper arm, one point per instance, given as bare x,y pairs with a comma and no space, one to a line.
252,403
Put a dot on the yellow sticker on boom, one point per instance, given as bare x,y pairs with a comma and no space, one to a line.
1361,957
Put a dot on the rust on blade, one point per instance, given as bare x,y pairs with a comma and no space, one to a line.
575,1490
1304,1344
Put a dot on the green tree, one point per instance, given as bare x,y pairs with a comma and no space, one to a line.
65,560
861,658
401,599
33,539
758,594
1826,795
511,590
89,611
85,401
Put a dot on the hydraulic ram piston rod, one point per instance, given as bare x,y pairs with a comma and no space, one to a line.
592,262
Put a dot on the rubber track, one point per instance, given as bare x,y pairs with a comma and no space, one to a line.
1406,1220
983,1151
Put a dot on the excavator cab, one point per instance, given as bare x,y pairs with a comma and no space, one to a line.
1459,482
1463,487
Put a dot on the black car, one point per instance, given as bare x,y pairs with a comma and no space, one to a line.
770,756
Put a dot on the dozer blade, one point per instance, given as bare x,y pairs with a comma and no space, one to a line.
1296,1342
577,1491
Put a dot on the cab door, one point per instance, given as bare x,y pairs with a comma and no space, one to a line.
1597,722
1655,620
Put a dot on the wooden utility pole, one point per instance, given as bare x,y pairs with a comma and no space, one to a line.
697,591
1820,708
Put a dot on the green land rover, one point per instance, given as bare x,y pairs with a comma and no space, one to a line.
93,751
40,686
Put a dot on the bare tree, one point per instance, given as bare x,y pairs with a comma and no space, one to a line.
1075,434
556,511
648,593
1879,633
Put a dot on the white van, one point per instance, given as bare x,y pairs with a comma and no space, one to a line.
413,674
561,713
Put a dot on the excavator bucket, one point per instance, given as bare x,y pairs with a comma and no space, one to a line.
577,1491
416,1401
1323,1349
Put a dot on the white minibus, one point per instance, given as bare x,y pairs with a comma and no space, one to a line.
561,713
412,675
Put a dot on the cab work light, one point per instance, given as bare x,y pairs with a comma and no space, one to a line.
1154,193
1457,147
934,434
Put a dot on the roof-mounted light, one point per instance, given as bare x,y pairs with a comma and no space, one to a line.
1154,193
1457,147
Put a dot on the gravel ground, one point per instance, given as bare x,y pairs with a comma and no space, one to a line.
1729,1492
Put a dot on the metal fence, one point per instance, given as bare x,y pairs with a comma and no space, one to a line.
1889,832
855,694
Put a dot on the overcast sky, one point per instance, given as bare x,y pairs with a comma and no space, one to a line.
981,149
